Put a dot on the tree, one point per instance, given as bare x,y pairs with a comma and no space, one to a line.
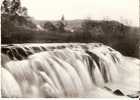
13,14
60,26
87,26
11,7
22,11
15,6
49,26
5,7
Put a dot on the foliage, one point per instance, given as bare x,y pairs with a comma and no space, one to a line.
13,14
60,26
49,26
13,8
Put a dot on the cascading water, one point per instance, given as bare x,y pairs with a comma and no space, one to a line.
67,70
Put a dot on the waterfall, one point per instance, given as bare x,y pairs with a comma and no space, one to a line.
67,70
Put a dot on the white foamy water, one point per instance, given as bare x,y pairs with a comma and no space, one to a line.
68,70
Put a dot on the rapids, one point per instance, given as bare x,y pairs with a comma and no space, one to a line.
68,70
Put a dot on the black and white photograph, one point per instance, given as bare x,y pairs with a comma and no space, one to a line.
70,49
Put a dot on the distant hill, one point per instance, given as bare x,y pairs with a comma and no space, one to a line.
104,24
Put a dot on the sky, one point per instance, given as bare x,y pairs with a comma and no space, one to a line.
125,11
